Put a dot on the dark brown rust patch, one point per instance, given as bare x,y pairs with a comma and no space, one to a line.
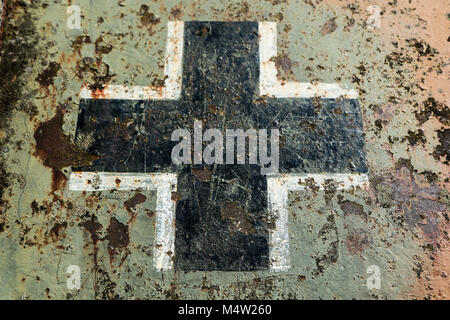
329,27
175,196
102,47
46,77
176,13
34,207
56,148
351,207
58,151
117,234
431,107
95,73
356,242
443,150
422,48
80,41
148,19
56,230
238,218
202,174
416,138
59,180
131,203
92,226
404,163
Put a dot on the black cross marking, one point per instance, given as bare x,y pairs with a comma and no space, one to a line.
221,211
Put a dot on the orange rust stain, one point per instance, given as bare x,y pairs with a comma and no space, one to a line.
99,93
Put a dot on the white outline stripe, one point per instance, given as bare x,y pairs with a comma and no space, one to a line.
278,187
172,72
269,84
163,183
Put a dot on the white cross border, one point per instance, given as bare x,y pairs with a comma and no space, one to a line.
163,183
269,84
172,73
278,187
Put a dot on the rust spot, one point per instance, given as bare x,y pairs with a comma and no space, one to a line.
351,207
356,242
79,42
56,230
148,19
443,150
150,213
422,48
58,151
98,93
175,196
431,107
34,207
101,47
329,27
92,226
59,180
47,293
202,174
284,66
238,218
117,234
131,203
91,200
47,76
95,73
416,138
176,13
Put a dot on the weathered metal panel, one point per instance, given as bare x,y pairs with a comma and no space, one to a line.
358,90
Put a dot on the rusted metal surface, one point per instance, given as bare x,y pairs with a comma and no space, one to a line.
398,222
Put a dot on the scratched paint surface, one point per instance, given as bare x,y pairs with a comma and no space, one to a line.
400,223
